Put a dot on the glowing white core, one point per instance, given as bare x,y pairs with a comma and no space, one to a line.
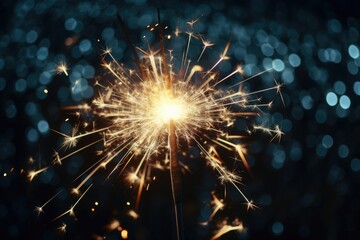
169,109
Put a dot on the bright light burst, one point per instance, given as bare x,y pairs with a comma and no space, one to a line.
138,108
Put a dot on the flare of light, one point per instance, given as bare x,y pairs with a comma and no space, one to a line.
137,107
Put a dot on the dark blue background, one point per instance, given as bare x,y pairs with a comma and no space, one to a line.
307,186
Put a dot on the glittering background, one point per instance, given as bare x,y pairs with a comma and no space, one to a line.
307,186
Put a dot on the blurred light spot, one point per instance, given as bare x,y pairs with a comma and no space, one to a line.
278,159
339,87
10,109
85,45
278,65
294,60
70,24
287,76
17,35
267,63
340,112
281,48
124,234
32,135
42,53
20,85
352,67
336,173
108,34
88,71
331,99
43,126
286,125
318,74
353,51
355,164
345,102
277,228
31,36
356,87
307,102
329,55
327,141
343,151
334,26
320,150
45,77
267,50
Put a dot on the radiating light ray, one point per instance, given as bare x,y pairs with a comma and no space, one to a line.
206,45
222,57
238,69
71,209
40,209
253,76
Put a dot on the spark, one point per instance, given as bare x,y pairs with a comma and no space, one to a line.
62,68
62,228
236,226
40,209
32,173
71,209
206,44
218,205
276,132
192,22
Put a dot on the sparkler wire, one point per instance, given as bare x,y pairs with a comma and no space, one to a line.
175,172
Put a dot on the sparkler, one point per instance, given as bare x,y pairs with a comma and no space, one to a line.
153,112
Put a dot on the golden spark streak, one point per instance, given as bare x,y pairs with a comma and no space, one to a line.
41,208
33,174
71,209
218,205
238,226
